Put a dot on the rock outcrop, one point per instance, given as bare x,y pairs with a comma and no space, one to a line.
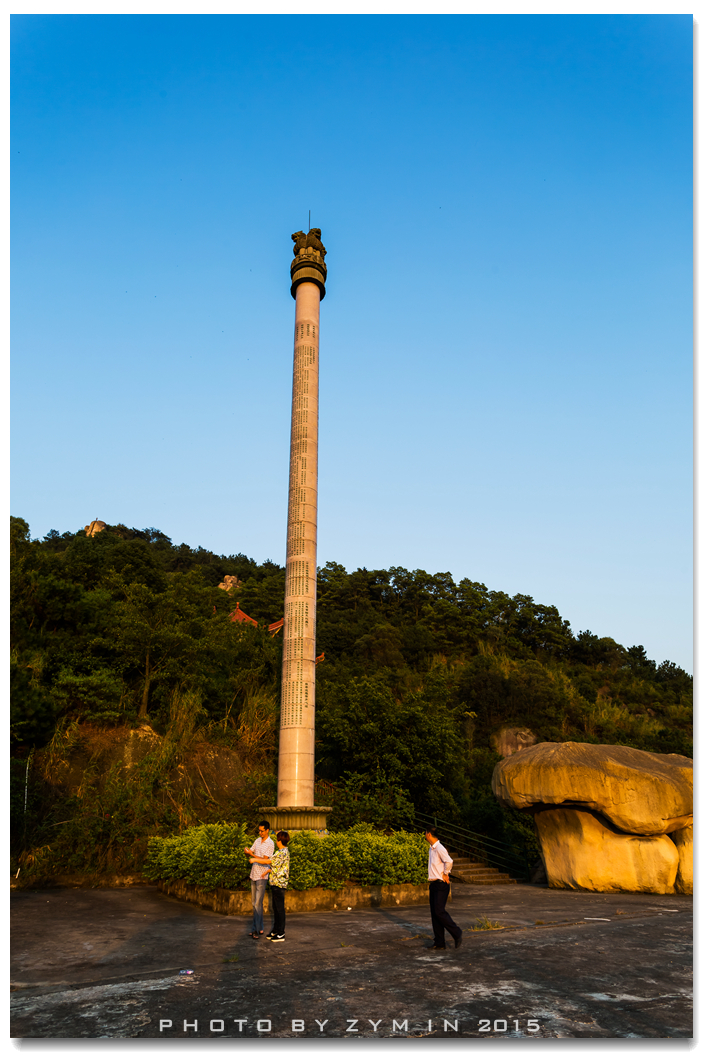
583,853
132,745
229,582
639,792
508,740
208,772
609,818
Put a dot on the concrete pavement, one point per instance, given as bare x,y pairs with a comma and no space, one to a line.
105,963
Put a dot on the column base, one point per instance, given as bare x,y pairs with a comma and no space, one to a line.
296,818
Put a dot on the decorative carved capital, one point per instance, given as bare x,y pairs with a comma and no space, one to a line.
310,241
308,265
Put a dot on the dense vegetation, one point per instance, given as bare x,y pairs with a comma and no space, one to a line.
212,855
419,673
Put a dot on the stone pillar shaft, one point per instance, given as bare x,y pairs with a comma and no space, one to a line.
296,760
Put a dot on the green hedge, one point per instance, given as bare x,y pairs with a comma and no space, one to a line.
212,855
361,854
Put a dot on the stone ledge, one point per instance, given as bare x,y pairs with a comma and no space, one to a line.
296,818
82,880
354,896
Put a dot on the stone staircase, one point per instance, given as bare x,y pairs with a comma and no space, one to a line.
468,870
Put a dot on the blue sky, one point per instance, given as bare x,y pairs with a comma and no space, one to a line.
506,339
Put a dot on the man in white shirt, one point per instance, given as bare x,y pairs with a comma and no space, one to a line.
439,865
263,848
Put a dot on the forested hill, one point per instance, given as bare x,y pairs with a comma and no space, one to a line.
419,672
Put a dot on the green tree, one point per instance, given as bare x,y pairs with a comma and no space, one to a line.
158,634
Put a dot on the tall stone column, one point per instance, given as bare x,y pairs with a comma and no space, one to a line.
296,756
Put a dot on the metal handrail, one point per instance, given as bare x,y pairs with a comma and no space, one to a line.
493,851
324,789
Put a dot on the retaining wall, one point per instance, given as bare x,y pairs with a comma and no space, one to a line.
351,896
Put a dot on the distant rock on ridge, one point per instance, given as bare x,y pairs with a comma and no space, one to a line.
508,740
230,582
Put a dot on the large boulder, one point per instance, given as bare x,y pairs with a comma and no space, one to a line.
583,853
637,791
684,876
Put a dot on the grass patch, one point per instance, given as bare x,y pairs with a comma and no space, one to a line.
484,924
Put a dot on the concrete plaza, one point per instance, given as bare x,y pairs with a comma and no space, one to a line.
106,963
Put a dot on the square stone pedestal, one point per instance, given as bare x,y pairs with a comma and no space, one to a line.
296,818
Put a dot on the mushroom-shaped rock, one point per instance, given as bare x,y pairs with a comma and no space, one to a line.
582,853
637,791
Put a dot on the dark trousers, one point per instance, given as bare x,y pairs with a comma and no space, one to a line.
278,901
439,892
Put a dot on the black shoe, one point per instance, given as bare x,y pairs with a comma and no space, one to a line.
458,940
435,947
270,936
278,938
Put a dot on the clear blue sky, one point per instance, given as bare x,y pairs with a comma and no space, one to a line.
506,338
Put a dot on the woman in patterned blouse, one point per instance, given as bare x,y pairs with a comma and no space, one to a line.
278,872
